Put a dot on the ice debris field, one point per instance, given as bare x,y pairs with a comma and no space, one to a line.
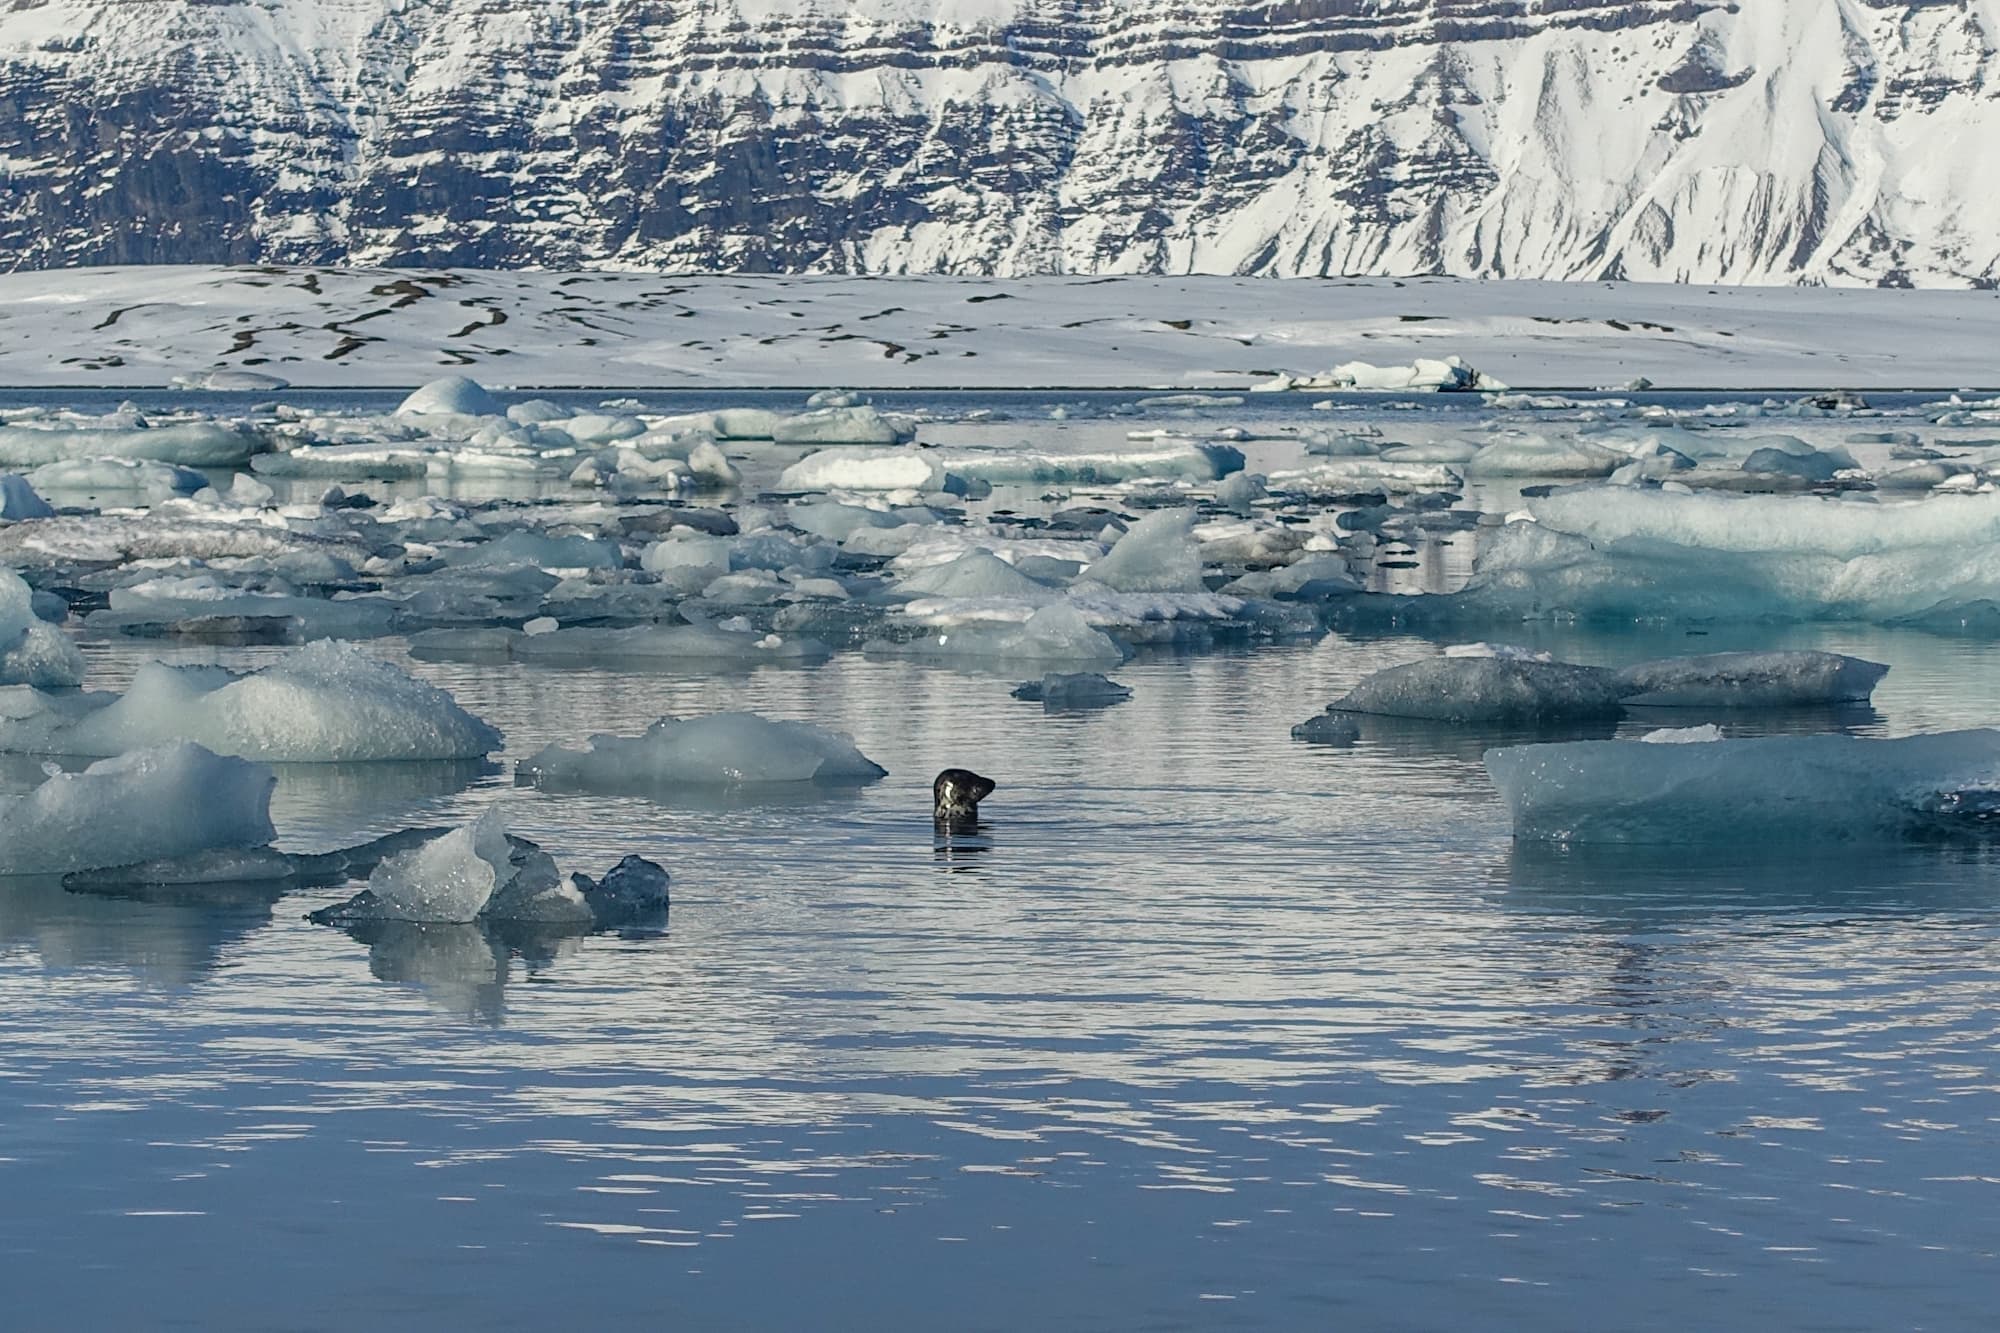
476,528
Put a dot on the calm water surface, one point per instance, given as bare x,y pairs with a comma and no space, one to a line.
1205,1029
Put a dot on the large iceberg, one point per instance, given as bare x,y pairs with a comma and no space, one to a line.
720,750
168,801
1777,789
325,703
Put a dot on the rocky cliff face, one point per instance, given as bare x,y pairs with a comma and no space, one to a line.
1703,140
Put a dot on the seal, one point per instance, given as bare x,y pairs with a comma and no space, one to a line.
956,795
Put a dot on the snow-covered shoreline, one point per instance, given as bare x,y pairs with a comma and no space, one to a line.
360,328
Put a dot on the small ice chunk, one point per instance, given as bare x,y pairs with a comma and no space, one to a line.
1700,735
1054,634
168,801
977,573
719,750
19,501
632,891
447,879
842,425
1059,691
1512,652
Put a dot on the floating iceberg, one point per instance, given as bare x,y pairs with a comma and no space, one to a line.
325,703
1058,692
856,470
1485,690
1767,790
144,479
720,750
454,395
169,801
1751,680
841,425
192,444
229,381
1448,375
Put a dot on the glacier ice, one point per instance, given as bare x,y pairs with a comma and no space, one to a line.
1767,790
325,703
166,801
719,750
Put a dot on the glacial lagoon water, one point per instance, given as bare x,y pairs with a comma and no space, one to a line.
1205,1028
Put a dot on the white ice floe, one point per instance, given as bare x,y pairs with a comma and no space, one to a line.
842,425
324,703
862,470
719,750
1751,680
1766,790
140,478
1337,476
229,381
1447,374
452,395
169,801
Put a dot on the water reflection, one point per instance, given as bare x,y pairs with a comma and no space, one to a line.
461,968
168,940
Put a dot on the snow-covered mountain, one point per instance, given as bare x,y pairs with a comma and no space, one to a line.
1705,140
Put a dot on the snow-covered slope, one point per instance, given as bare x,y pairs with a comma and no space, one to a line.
1844,141
402,326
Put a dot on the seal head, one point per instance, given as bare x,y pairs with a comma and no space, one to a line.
956,795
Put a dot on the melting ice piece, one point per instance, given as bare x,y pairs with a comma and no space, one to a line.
842,425
1700,735
1057,691
1482,690
720,750
172,800
977,573
1751,680
470,872
1774,789
631,892
325,703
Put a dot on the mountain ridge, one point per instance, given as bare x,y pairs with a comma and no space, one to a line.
1816,141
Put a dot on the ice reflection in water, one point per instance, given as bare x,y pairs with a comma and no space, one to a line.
1201,1027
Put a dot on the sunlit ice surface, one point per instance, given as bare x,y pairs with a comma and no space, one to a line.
1201,1027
